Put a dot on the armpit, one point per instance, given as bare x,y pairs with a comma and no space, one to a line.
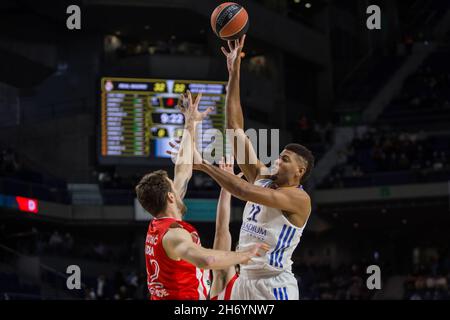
175,225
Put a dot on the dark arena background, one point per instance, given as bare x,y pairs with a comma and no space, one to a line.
373,104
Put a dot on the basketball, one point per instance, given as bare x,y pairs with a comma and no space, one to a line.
229,21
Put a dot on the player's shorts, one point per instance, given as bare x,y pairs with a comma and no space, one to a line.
226,292
282,286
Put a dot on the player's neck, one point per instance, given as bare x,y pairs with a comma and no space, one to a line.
174,214
288,185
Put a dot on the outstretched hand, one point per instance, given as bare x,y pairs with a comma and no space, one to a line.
189,108
175,145
228,165
235,54
256,250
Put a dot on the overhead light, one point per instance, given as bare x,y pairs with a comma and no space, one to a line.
118,33
308,5
296,1
147,27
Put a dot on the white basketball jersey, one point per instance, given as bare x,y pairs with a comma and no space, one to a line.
269,225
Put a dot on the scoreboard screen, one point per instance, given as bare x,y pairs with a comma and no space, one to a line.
139,116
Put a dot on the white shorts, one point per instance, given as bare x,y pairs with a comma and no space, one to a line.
283,286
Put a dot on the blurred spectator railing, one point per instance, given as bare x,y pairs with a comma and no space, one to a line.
11,186
50,284
28,113
381,193
32,113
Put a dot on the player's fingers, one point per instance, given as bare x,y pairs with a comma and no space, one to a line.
239,47
189,97
172,153
207,111
240,174
180,108
258,247
242,40
198,98
225,52
230,45
183,102
229,163
180,100
231,160
174,144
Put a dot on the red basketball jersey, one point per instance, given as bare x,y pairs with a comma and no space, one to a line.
168,279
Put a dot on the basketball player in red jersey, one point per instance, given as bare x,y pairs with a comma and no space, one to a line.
175,259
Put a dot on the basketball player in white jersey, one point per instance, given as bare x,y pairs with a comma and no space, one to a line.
277,208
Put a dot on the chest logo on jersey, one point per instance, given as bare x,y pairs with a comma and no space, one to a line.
254,230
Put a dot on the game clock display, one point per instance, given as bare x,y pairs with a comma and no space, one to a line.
139,116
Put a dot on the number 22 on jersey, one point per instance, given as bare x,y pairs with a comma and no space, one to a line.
256,209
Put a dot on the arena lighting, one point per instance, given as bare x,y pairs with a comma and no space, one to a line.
27,204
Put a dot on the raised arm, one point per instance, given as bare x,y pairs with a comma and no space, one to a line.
222,237
184,159
178,244
183,168
246,156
